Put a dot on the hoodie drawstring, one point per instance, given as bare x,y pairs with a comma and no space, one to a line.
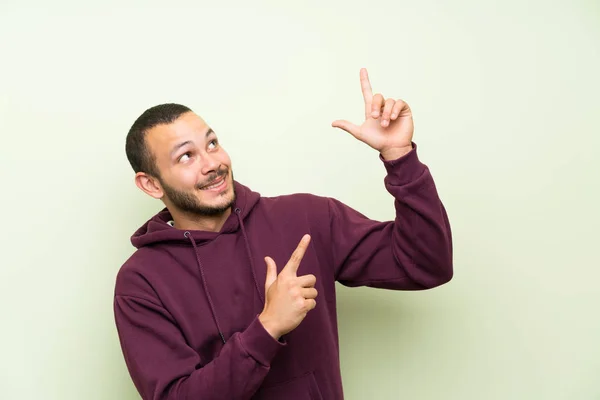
210,302
239,214
188,235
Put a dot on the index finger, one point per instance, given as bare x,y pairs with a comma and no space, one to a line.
297,255
367,92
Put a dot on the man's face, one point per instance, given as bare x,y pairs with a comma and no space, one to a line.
195,172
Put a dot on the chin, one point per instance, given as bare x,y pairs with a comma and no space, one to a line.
219,202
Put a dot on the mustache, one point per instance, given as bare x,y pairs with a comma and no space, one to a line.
220,173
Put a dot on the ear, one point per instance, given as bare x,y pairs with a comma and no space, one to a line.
149,185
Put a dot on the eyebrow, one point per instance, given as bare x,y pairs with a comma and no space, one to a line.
180,145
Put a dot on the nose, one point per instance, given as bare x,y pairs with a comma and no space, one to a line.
210,163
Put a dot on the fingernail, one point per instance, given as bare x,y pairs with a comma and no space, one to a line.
374,114
394,115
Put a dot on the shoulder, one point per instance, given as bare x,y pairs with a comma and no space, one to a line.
135,276
298,200
307,204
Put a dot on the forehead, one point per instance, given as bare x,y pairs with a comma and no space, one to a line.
188,127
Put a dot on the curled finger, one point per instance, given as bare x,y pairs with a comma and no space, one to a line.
376,105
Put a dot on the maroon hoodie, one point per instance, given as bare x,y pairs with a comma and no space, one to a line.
187,302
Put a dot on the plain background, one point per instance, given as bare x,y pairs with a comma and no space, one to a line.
506,105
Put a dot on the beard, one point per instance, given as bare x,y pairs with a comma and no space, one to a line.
189,203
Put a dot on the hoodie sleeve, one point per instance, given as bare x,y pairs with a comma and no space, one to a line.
163,366
412,252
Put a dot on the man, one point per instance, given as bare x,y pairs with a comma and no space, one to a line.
200,316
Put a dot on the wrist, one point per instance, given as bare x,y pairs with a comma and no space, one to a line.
269,326
395,152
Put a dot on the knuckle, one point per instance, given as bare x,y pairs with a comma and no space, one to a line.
297,254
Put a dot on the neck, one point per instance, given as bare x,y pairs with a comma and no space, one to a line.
212,223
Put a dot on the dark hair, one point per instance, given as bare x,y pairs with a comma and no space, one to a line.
139,155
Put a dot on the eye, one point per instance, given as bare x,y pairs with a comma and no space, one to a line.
184,157
213,144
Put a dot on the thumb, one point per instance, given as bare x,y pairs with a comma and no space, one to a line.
271,273
349,127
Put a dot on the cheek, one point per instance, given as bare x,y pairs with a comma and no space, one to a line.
184,179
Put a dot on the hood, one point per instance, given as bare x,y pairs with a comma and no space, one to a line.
157,230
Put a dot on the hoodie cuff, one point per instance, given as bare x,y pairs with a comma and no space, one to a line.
259,343
405,169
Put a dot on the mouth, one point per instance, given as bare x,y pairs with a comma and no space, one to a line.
216,185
